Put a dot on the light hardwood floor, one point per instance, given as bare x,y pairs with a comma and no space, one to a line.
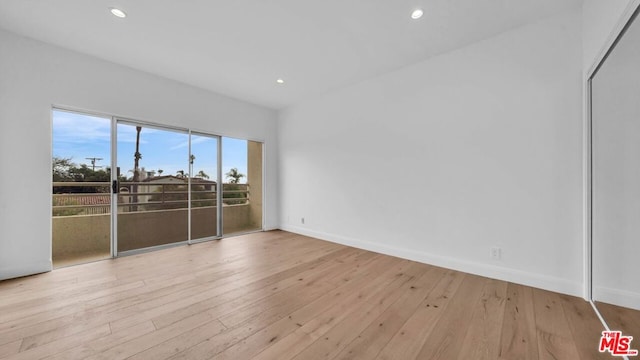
277,295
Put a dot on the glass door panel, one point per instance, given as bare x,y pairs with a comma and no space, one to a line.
204,186
242,187
81,191
153,178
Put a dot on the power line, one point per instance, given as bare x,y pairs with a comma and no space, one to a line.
93,162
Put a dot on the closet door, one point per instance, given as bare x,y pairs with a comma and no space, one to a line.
615,121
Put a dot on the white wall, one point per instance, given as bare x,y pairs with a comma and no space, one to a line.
442,160
34,76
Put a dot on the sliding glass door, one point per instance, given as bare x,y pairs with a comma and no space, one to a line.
167,186
81,191
153,179
204,187
122,186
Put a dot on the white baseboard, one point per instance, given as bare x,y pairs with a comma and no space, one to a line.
491,271
25,270
618,297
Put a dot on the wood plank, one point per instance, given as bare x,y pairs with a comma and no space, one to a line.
371,341
157,337
234,318
329,344
519,338
254,291
287,309
485,326
554,335
11,348
242,298
293,299
73,307
177,345
408,341
302,328
452,325
63,343
584,325
100,345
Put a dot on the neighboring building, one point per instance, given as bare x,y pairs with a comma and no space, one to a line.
161,191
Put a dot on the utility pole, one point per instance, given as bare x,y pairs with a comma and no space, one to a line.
93,162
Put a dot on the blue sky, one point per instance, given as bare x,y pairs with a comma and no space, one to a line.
79,136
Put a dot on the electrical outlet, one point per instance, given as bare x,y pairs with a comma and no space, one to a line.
496,253
302,220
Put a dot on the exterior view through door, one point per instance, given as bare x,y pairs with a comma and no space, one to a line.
81,199
164,190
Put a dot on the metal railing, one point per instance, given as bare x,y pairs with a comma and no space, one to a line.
93,198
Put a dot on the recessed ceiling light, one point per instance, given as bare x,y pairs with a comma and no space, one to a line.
417,14
117,12
280,81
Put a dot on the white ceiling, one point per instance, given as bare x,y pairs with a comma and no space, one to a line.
240,47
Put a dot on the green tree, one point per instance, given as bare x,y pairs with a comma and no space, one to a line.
202,174
234,175
232,190
64,170
85,173
61,167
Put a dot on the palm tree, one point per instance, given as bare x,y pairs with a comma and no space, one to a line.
192,158
160,171
137,156
136,172
234,175
202,174
180,173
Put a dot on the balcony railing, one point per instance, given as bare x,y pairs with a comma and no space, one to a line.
149,215
94,198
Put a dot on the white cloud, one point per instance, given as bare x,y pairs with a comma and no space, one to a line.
194,140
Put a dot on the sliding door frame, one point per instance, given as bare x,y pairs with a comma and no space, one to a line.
115,120
219,232
624,22
114,192
90,113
